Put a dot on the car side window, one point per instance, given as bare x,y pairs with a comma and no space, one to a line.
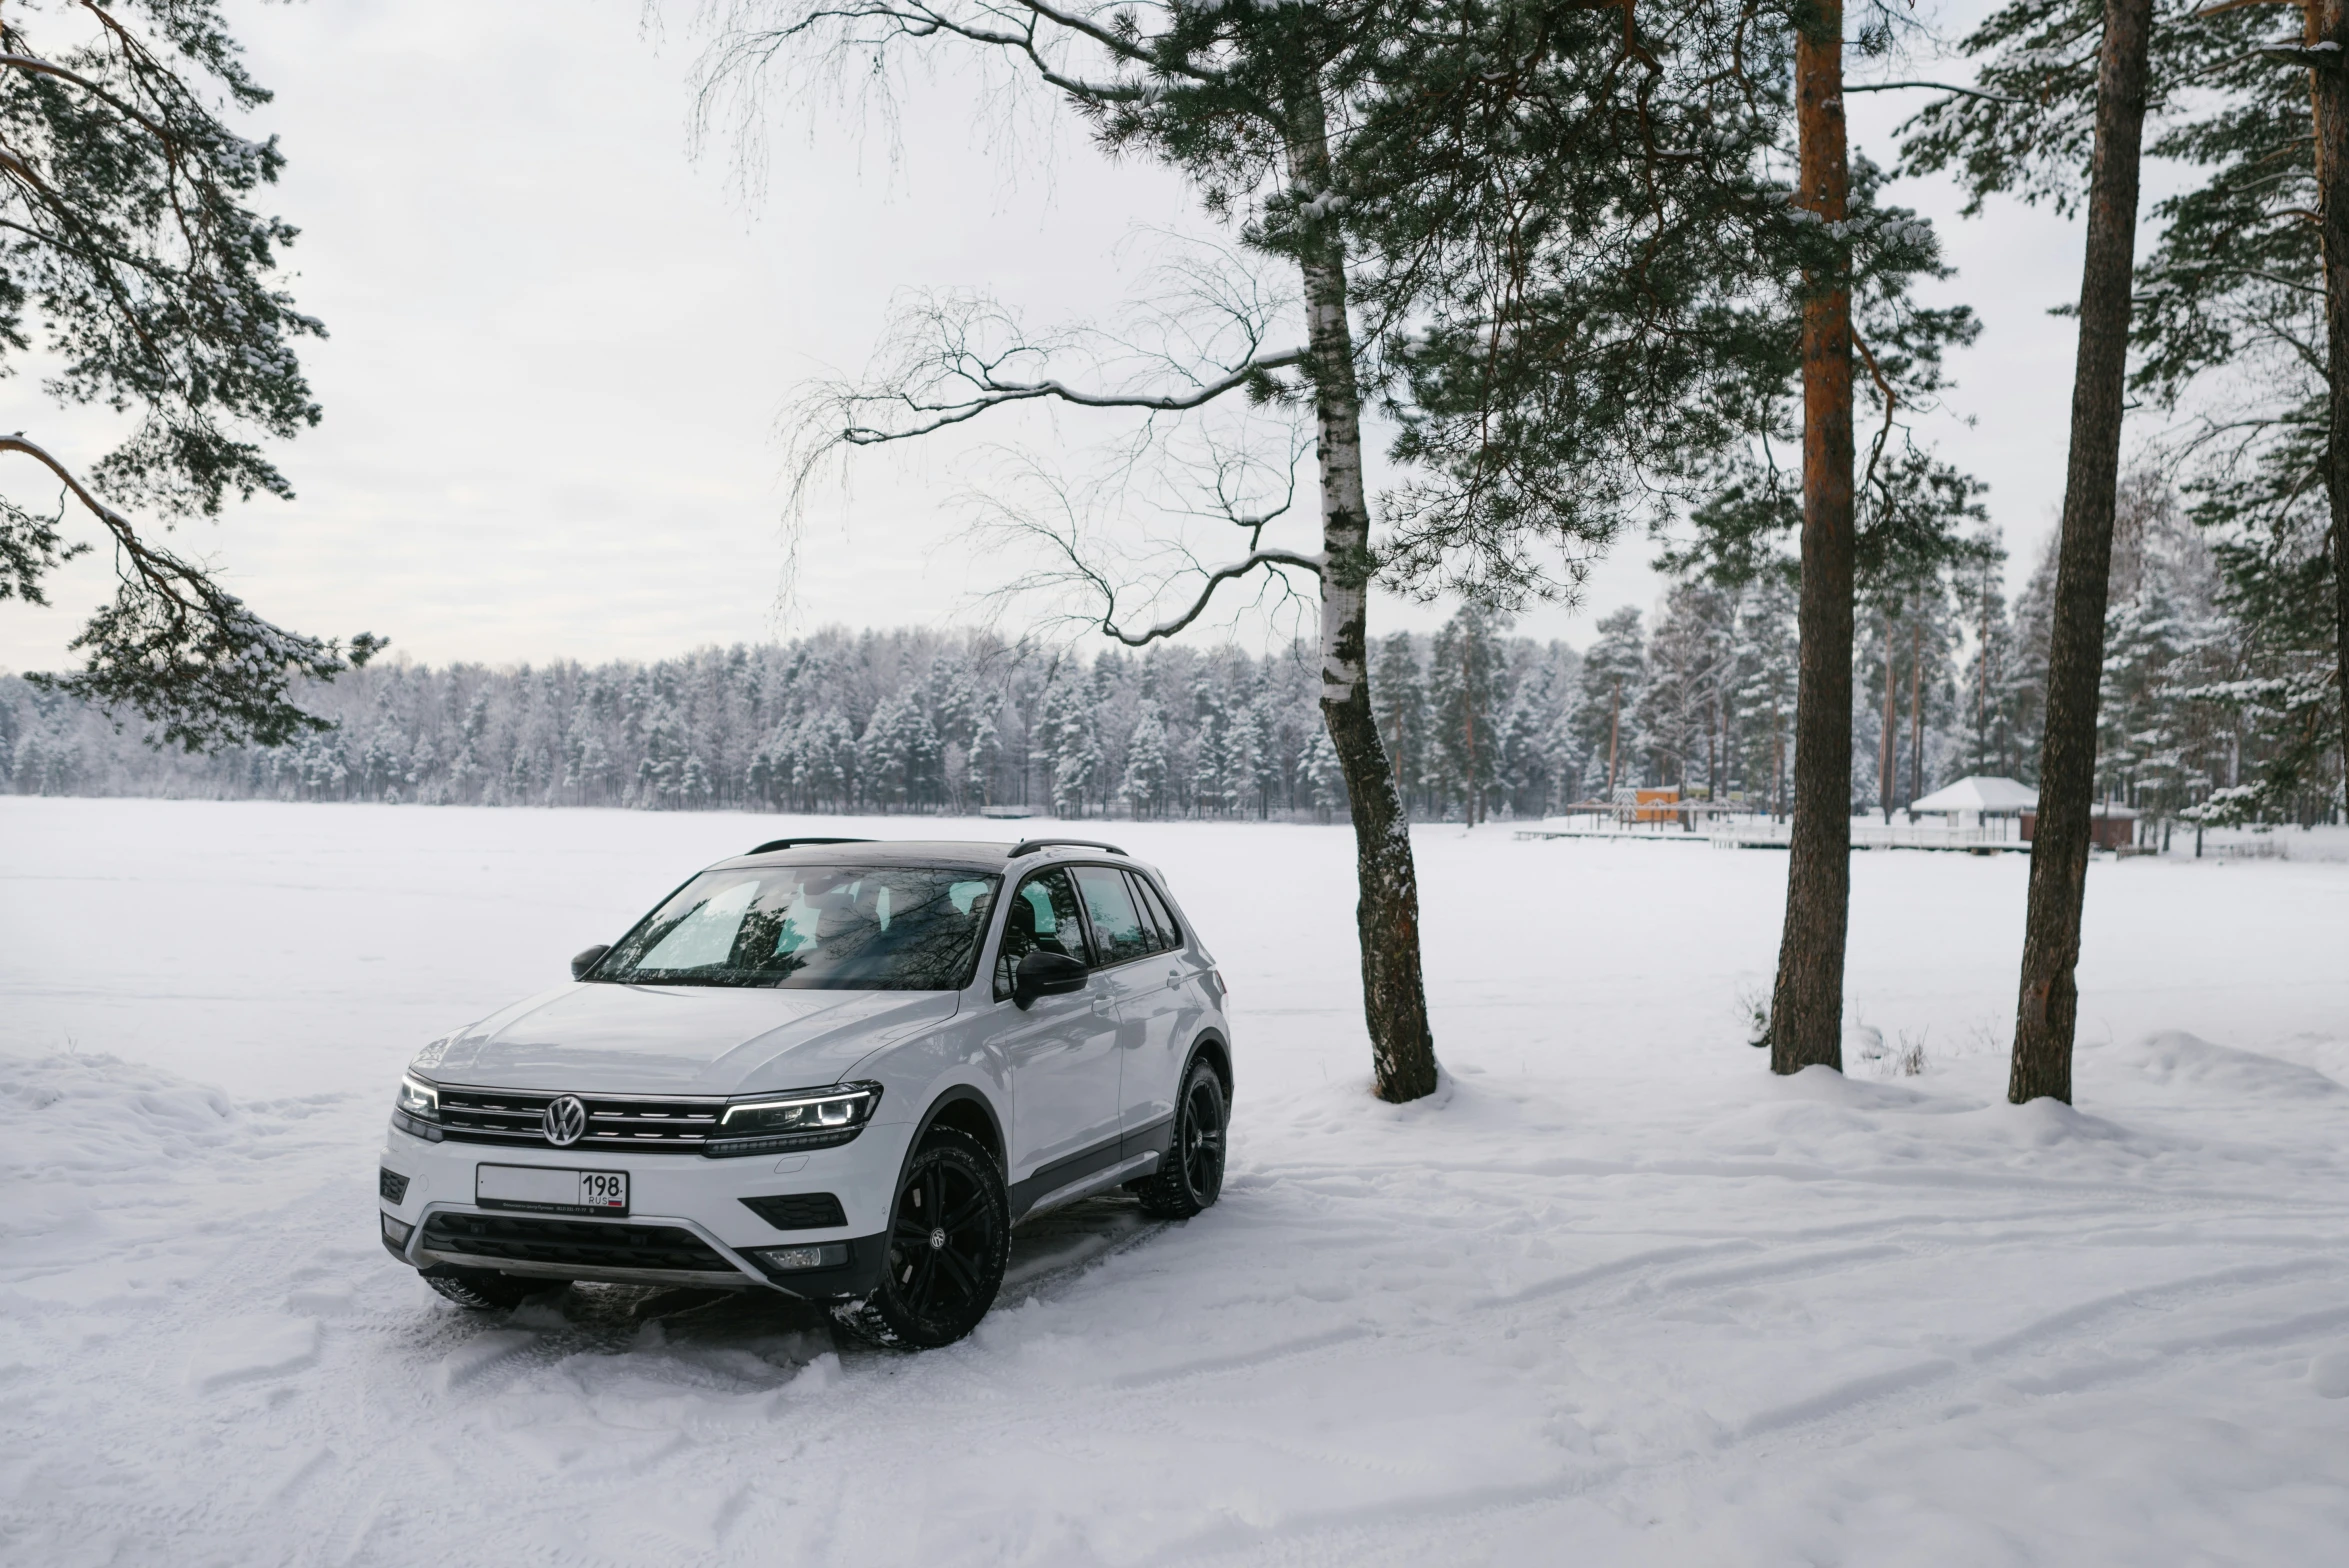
1170,934
1152,932
1153,941
1117,925
1043,918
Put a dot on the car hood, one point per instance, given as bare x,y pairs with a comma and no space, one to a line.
632,1039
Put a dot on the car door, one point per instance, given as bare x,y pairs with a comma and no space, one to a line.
1061,1051
1143,971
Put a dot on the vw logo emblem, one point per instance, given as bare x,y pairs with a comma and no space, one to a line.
565,1121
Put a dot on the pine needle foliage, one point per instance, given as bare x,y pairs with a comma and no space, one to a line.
2229,323
136,277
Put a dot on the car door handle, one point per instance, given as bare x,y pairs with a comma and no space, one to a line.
1101,1002
1174,977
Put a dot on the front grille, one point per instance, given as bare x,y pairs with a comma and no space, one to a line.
392,1186
656,1126
798,1210
571,1243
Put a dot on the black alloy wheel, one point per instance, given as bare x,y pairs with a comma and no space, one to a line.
949,1242
1190,1178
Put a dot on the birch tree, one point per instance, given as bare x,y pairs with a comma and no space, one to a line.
1507,226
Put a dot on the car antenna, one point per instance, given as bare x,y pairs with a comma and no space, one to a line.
1029,846
794,843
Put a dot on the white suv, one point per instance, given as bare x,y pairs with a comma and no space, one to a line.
838,1068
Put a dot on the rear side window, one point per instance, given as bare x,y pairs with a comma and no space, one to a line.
1043,917
1170,935
1117,925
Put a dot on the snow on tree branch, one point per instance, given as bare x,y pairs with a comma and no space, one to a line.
135,261
184,652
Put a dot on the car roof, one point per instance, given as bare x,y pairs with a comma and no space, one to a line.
974,853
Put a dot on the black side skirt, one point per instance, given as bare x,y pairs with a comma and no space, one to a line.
1153,1139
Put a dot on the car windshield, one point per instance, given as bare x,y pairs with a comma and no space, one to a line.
863,928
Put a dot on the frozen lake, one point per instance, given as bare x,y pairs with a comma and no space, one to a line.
1616,1295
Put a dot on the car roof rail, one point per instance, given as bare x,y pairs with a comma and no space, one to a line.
1029,846
794,843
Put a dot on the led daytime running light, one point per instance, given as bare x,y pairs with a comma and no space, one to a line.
418,1099
801,1112
808,1119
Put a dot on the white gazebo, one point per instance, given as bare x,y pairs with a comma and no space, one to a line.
1973,798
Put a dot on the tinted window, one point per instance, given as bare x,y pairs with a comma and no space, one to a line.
1170,933
888,928
1151,932
1117,927
1043,917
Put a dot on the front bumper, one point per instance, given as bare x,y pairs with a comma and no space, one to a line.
687,1224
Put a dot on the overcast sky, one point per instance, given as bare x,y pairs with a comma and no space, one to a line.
561,344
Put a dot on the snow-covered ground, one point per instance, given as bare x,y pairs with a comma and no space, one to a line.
1616,1295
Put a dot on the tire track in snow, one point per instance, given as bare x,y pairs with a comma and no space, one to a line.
1847,1401
1239,1361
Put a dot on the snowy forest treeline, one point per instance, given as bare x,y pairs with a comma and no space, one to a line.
2199,717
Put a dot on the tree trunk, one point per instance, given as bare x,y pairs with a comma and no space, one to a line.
2328,22
1468,711
1806,1002
1614,733
1712,752
1777,766
1887,743
1386,917
1982,688
2049,1004
1916,712
1400,741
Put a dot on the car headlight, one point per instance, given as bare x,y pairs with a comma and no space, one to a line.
417,1109
802,1119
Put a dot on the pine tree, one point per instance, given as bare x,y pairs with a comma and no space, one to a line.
2049,101
1463,689
2237,297
1146,765
985,755
1614,678
1325,783
1398,698
1766,693
1986,730
1689,666
134,260
1076,763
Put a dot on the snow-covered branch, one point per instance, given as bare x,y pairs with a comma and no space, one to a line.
36,66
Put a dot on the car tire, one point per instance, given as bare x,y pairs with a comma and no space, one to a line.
486,1290
949,1241
1190,1177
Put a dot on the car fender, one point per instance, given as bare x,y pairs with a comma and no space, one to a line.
1213,1042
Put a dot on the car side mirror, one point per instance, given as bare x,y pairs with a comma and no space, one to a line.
581,963
1045,974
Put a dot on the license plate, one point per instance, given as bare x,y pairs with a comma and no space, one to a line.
543,1190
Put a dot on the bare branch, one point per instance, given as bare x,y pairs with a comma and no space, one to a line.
1255,561
994,393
